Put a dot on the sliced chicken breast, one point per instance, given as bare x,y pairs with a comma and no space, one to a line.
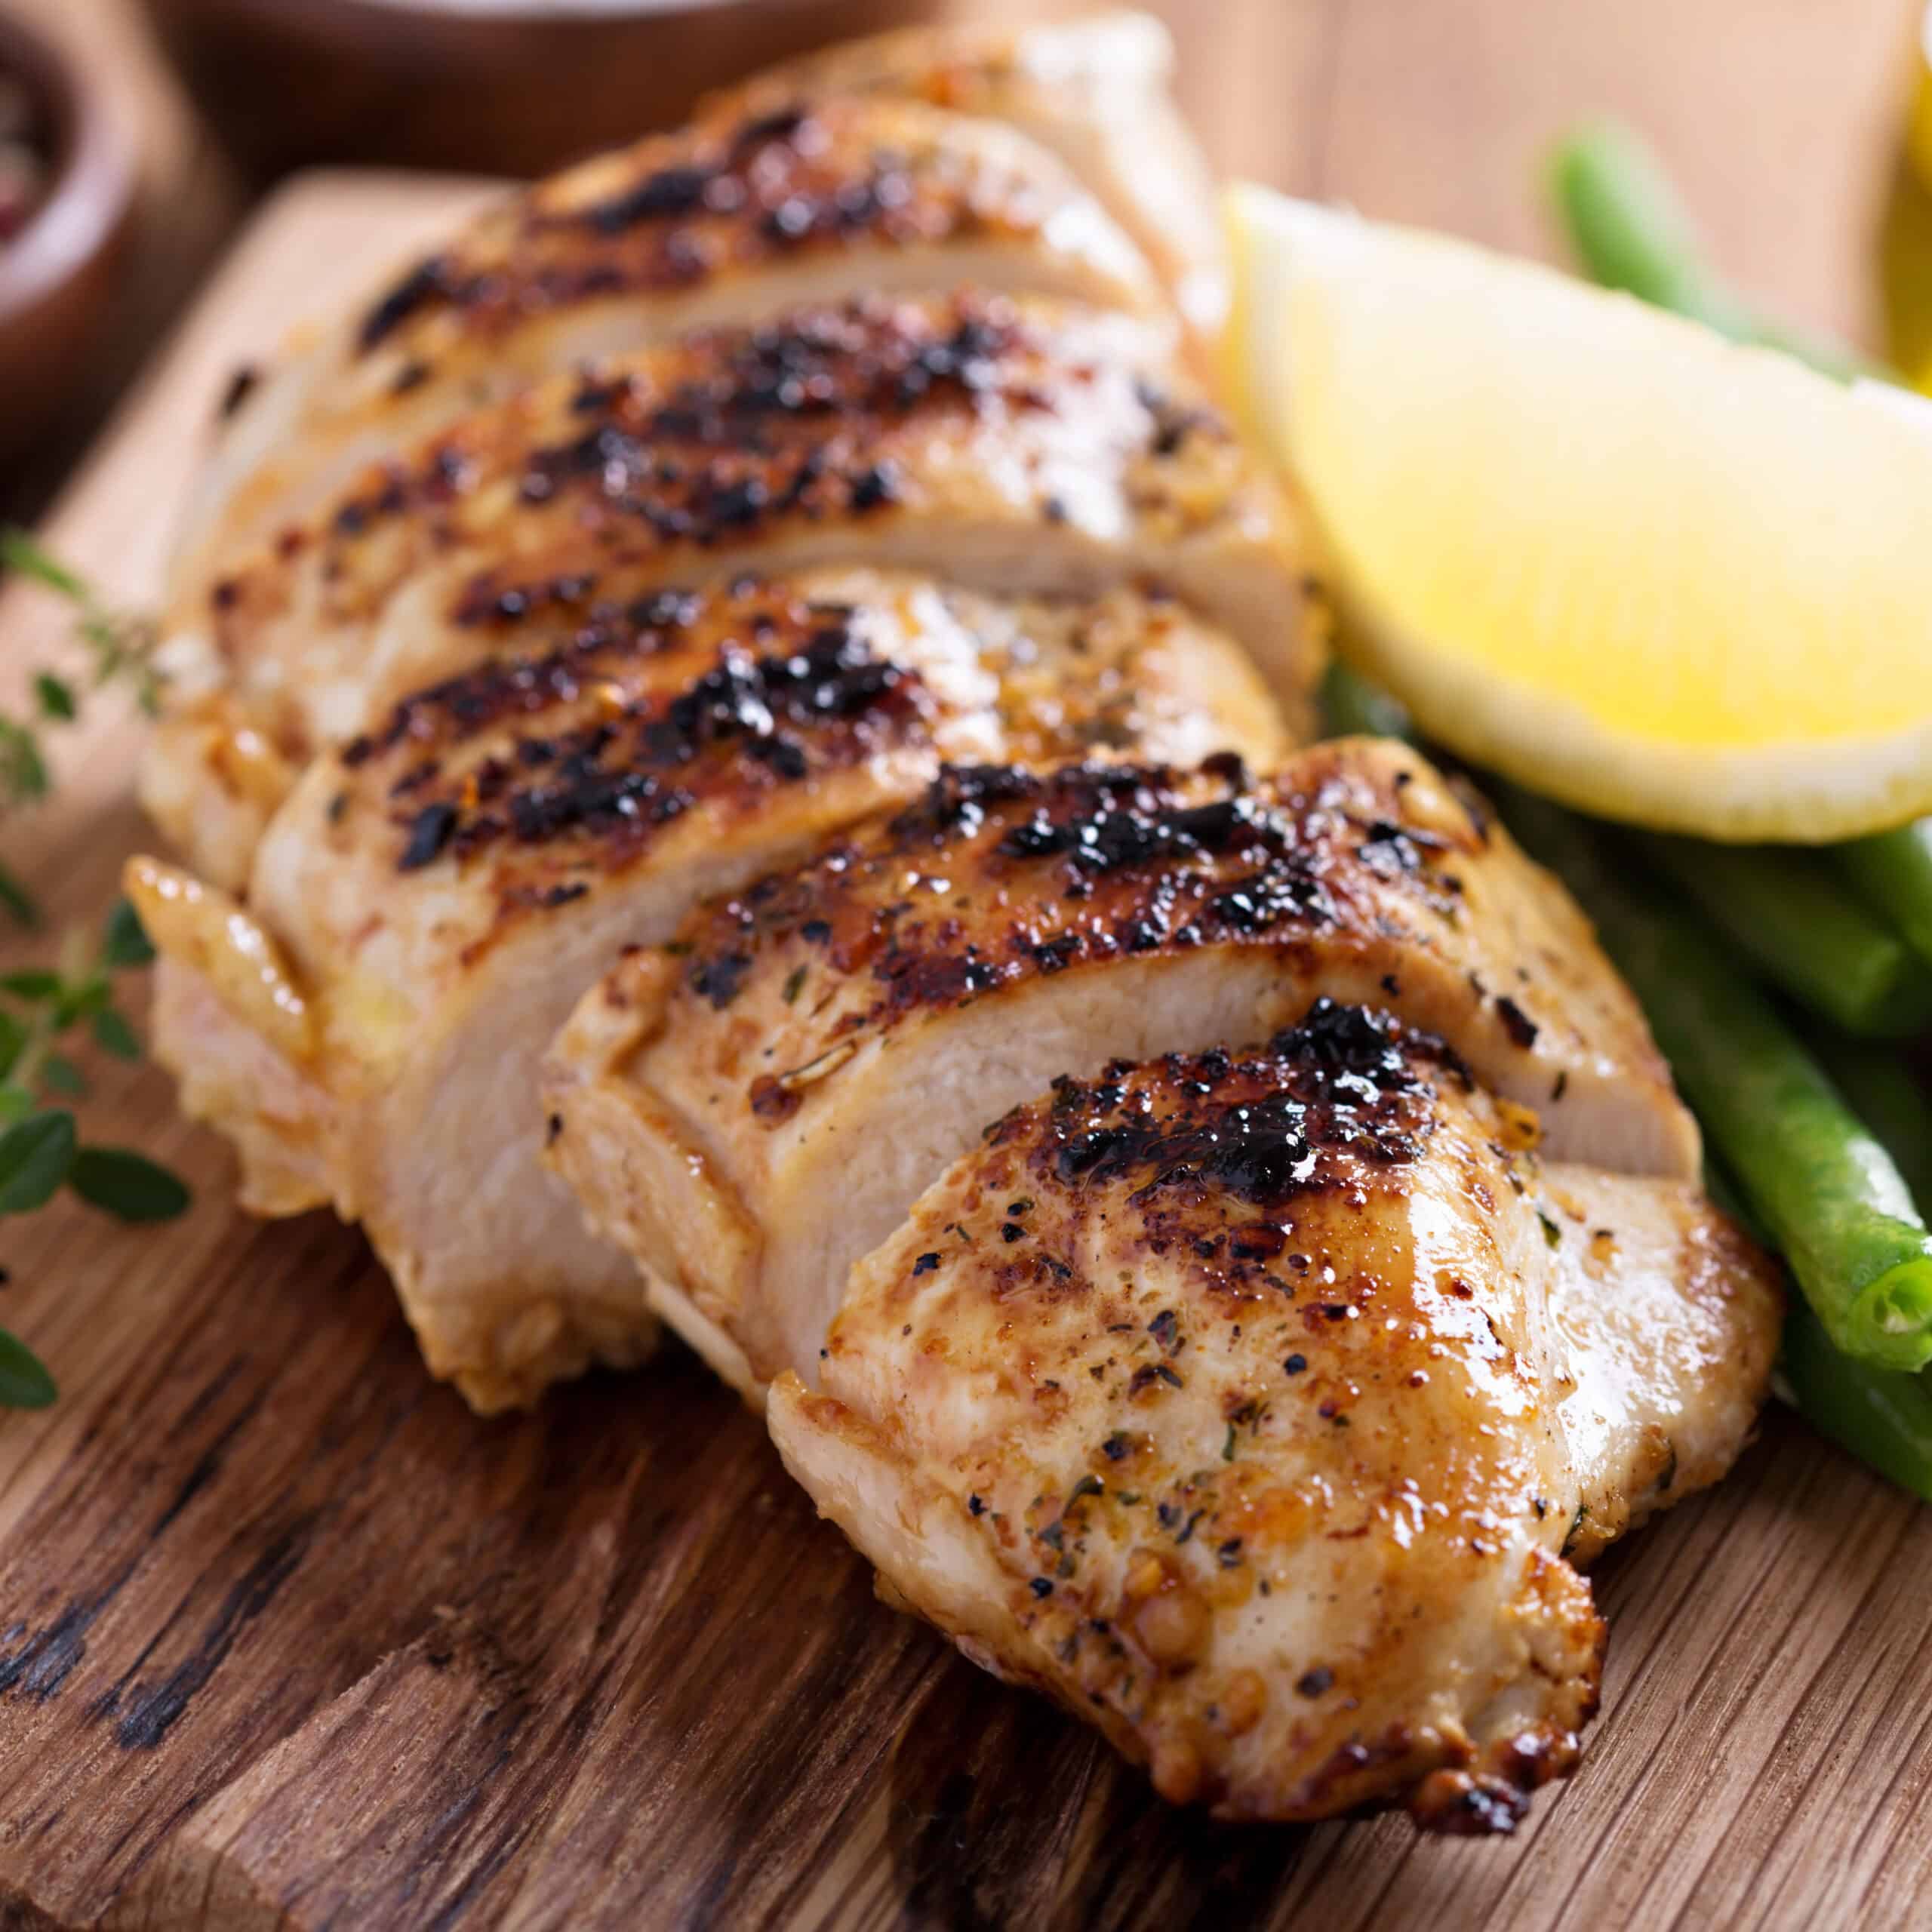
735,220
1023,448
751,1109
1259,1407
428,904
1096,91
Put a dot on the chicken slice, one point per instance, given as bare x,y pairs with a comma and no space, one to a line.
751,1110
1023,448
1096,91
1259,1408
427,904
735,220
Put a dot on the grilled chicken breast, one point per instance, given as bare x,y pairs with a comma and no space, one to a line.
427,904
1260,1406
736,219
752,1110
771,604
1095,90
1021,447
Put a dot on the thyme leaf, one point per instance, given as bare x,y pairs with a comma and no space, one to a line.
119,648
41,1148
24,1381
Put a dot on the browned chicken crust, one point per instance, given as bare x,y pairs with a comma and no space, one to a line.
789,559
426,905
750,1110
732,194
1095,90
733,219
1015,448
540,774
1254,1405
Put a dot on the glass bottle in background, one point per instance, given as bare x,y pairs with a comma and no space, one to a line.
1906,239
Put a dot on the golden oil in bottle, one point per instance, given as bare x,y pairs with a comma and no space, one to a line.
1905,237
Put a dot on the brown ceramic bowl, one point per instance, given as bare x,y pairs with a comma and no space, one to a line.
501,87
57,274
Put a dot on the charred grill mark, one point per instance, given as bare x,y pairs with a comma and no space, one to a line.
486,601
427,283
782,180
610,639
1122,826
1393,849
709,201
1517,1024
1102,861
429,832
997,874
1170,422
662,195
1263,1129
769,401
956,803
1217,1155
718,980
1153,904
243,380
783,421
820,701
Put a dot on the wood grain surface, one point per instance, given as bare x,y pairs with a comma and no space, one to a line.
288,1638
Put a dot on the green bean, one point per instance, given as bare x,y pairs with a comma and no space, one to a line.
1723,1191
1786,911
1824,1189
1893,872
1631,231
1353,707
1882,1417
1882,1089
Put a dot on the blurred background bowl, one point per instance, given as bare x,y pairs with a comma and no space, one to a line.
501,87
58,275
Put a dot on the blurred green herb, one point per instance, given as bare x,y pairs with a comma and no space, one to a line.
42,1008
118,648
41,1148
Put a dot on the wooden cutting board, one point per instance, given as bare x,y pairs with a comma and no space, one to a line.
287,1638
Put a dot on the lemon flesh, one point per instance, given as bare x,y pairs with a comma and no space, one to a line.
1655,575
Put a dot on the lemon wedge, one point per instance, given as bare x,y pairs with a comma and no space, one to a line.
1654,575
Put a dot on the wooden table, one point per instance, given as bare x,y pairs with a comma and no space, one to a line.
288,1638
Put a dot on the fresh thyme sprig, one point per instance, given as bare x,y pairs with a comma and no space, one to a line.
40,1147
42,1009
119,648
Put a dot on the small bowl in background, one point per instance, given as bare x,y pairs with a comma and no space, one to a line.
57,274
497,87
